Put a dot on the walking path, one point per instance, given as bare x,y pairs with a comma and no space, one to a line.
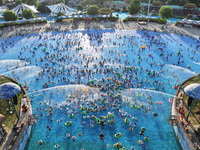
132,25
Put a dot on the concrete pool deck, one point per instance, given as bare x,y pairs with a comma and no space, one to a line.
132,25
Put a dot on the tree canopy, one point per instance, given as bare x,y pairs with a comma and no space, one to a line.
59,1
93,10
60,14
26,13
89,2
157,3
134,7
165,12
32,2
79,7
105,11
9,15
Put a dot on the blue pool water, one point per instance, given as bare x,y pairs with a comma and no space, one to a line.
121,15
59,58
124,15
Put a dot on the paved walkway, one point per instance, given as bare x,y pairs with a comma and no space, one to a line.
131,25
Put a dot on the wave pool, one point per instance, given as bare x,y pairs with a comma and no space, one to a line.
101,81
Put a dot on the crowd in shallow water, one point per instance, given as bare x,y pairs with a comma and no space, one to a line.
64,61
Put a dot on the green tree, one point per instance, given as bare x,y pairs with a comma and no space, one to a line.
105,11
134,7
66,2
89,2
60,14
165,12
42,8
27,13
18,2
59,1
32,2
9,15
157,3
79,7
93,10
1,2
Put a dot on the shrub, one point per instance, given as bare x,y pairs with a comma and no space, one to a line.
9,15
26,13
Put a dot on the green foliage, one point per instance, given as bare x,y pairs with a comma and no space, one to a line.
1,2
23,23
59,1
116,9
18,2
27,13
124,9
190,5
60,14
157,3
161,21
42,8
105,11
9,15
165,12
66,2
89,2
134,7
176,23
79,7
93,10
32,2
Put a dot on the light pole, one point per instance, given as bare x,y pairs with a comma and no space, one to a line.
148,8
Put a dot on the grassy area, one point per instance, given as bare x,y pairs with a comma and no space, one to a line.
195,113
10,118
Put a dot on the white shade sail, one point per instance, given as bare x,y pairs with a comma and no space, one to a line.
18,9
61,8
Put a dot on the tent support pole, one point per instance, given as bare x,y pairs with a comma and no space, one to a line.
190,110
14,109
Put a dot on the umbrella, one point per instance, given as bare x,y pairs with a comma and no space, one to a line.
193,90
8,90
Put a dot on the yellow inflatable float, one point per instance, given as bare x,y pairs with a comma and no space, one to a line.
143,46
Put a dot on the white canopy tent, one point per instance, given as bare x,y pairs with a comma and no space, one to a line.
18,9
61,8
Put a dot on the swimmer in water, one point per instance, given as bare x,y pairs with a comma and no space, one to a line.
141,133
131,128
155,114
101,136
134,125
107,145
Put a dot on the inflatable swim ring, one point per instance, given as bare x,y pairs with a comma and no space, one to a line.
146,139
40,142
140,142
71,115
126,121
117,135
67,124
117,145
83,113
